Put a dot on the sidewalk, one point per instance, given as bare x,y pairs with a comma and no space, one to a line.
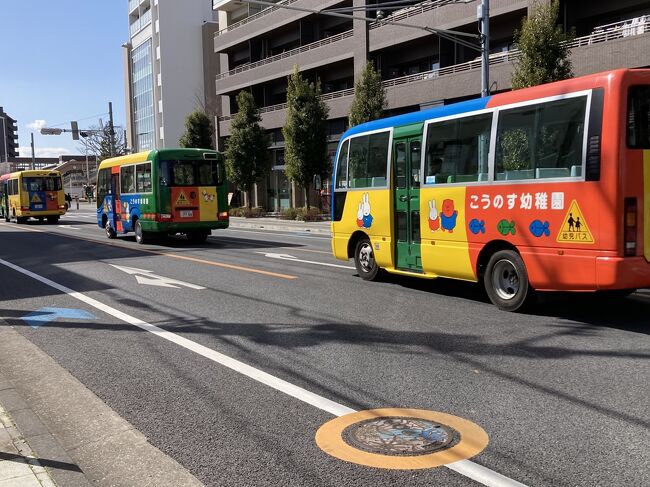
317,228
29,455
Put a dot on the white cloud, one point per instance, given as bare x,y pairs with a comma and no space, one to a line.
43,151
36,125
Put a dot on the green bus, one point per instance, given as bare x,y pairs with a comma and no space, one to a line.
163,192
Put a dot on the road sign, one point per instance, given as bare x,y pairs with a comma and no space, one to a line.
51,131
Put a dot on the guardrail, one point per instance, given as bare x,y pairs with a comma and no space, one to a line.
286,54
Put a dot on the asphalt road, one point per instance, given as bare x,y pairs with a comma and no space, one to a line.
562,392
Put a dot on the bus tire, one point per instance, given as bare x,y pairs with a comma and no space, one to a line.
506,281
197,236
110,231
364,260
140,236
52,219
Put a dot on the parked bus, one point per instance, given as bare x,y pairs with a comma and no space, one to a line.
545,188
32,194
161,192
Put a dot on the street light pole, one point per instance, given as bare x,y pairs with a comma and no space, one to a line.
33,156
483,14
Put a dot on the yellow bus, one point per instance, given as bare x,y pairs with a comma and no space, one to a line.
32,194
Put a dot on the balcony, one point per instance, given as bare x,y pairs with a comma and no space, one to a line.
251,18
609,45
294,56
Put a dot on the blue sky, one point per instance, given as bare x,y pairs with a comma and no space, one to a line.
61,61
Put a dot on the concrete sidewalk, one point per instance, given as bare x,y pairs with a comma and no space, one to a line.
317,228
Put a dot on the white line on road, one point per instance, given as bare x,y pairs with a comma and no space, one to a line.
144,276
69,227
291,258
467,468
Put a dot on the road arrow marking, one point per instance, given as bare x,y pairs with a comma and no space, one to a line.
43,316
292,258
143,276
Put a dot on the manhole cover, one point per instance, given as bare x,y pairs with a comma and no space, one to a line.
399,436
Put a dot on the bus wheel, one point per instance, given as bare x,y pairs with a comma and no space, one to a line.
197,237
364,260
52,219
506,280
110,231
140,236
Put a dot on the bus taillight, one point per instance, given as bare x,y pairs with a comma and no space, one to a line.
223,215
61,207
163,217
630,227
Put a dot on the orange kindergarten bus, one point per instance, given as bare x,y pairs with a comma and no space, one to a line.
545,188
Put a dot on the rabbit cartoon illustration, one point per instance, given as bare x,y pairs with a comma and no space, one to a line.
434,217
364,218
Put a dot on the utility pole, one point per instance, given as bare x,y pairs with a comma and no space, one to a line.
33,156
111,132
483,15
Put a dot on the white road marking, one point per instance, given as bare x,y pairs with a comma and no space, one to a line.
69,227
149,278
291,258
467,468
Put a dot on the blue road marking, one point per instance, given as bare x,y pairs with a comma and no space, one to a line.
43,316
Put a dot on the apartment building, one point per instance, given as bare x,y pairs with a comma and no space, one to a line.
255,48
8,137
164,69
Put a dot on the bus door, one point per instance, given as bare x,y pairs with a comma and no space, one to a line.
4,204
406,173
114,216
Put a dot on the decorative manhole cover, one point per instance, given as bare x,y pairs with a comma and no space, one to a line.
399,436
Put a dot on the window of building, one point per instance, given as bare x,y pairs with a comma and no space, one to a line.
457,150
539,141
143,106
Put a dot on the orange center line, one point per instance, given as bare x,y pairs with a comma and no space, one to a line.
166,254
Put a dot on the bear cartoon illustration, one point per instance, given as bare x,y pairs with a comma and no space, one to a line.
448,216
434,217
364,218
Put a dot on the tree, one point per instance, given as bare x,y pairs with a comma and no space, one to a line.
198,131
248,159
369,97
544,51
305,132
97,141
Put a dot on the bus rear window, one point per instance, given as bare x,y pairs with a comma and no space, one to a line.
638,117
42,184
189,173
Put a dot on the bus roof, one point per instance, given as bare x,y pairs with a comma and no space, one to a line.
36,173
149,155
505,98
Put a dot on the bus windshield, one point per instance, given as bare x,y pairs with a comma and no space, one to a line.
189,173
42,184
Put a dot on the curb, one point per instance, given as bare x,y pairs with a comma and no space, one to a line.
316,228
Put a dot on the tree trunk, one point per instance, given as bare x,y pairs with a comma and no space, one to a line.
306,188
250,199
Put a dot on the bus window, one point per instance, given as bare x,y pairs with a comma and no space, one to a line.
457,150
368,161
189,173
541,141
342,166
127,179
638,117
143,178
47,183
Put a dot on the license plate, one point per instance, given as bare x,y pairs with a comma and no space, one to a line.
187,214
38,207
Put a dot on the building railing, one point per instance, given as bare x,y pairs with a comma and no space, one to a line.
253,17
286,54
411,12
133,4
611,32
